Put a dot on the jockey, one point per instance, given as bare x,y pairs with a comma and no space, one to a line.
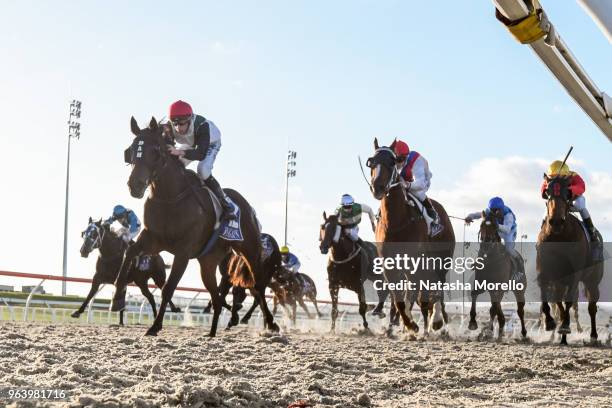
349,217
416,177
290,262
506,225
128,219
577,187
198,139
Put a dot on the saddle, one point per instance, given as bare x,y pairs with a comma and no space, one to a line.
413,201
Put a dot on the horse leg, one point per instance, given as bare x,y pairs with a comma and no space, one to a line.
159,278
293,311
236,304
473,325
492,314
121,317
592,314
208,266
95,285
147,294
176,273
578,326
592,292
409,324
425,313
549,321
363,307
142,245
303,305
501,320
313,299
258,292
520,309
247,315
333,292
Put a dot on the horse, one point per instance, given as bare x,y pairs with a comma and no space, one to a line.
180,218
402,231
98,235
289,290
349,265
271,260
497,268
564,259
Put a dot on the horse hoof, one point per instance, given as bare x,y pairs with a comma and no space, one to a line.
212,333
76,315
151,332
380,314
244,321
274,327
550,325
473,325
176,310
437,325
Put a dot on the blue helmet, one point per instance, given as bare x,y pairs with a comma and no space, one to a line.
496,203
119,211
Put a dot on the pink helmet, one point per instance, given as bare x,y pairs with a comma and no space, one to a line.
180,109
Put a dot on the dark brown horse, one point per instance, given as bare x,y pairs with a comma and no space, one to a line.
402,230
565,258
497,269
179,217
348,266
271,261
98,235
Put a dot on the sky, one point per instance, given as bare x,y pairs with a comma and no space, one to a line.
320,78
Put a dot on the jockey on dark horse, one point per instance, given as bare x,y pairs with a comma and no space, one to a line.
506,227
349,217
289,261
577,188
198,139
416,178
128,219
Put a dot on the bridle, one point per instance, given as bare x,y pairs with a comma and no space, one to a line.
375,162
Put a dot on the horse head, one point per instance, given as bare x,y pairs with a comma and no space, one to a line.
92,237
489,228
147,154
558,204
383,171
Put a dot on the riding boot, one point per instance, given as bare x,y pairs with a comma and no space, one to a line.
436,227
593,233
228,208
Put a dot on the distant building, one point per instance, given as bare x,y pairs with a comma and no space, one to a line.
6,288
28,289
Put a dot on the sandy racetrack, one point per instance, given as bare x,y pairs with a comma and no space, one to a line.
111,366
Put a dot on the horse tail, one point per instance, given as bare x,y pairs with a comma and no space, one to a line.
241,272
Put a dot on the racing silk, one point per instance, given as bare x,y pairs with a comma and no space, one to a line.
576,186
415,170
266,247
202,138
292,264
351,218
129,221
509,222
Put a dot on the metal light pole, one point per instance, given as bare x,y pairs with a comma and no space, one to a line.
74,131
291,163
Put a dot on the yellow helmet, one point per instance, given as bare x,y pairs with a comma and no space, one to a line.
284,249
558,168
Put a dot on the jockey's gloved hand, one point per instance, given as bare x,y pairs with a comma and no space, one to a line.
468,220
126,238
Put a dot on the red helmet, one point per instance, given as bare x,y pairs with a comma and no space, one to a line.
401,148
180,109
